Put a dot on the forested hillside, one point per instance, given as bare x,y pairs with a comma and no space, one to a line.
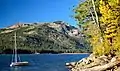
54,37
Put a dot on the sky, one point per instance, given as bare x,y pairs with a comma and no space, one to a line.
14,11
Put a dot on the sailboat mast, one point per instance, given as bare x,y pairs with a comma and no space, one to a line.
15,49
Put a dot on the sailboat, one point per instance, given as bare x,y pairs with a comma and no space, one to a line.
36,52
15,60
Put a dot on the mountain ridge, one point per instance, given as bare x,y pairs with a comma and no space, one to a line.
58,37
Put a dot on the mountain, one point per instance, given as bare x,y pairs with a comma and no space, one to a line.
46,37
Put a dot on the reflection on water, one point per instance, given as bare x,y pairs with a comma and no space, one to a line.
16,68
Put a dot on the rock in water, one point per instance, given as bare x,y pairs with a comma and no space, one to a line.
70,65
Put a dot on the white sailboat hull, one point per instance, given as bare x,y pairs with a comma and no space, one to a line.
19,64
16,62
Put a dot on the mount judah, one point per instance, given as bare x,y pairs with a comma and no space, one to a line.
48,37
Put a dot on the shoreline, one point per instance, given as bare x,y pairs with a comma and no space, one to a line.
74,53
50,53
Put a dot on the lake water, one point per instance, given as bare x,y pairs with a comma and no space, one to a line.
40,62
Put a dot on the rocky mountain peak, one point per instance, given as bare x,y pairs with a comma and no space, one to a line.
60,26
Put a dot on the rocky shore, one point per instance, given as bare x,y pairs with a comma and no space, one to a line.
94,63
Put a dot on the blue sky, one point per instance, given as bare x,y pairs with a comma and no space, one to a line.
13,11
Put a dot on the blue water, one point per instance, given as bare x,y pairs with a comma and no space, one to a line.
40,62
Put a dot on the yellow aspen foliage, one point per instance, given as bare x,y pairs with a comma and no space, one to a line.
104,36
110,21
94,32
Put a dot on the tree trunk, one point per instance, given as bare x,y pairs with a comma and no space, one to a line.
103,67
